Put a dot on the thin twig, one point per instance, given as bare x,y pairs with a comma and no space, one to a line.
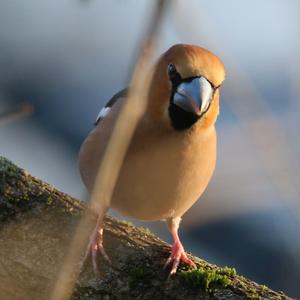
113,158
22,111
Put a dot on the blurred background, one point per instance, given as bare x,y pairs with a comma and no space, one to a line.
67,58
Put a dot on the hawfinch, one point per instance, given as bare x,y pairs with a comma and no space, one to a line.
172,155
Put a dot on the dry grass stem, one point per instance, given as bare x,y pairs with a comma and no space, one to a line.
129,116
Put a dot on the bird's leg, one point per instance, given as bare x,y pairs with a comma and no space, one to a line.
96,245
177,252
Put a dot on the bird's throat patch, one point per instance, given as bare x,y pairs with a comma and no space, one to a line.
181,119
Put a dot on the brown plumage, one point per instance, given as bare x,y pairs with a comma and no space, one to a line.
172,154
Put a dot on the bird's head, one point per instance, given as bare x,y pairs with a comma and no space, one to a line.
185,87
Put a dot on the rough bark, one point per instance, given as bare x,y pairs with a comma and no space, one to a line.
37,222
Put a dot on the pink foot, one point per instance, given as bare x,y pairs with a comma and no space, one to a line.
95,246
178,254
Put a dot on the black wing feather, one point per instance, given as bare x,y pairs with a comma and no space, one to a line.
121,94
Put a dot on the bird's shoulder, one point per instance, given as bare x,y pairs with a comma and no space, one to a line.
114,99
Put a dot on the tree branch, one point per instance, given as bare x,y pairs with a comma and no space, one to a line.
37,223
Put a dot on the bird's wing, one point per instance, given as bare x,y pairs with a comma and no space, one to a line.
93,148
105,110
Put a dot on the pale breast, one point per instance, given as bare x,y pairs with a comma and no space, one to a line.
164,173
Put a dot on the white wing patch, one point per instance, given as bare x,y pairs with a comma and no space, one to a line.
103,112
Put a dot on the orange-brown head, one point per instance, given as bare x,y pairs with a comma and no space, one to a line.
185,87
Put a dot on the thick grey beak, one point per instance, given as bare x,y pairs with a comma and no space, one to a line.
194,96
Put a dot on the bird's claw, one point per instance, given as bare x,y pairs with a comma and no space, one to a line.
95,246
177,254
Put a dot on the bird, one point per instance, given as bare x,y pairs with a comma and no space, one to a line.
172,155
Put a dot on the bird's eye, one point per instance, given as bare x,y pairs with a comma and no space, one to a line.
173,74
171,70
